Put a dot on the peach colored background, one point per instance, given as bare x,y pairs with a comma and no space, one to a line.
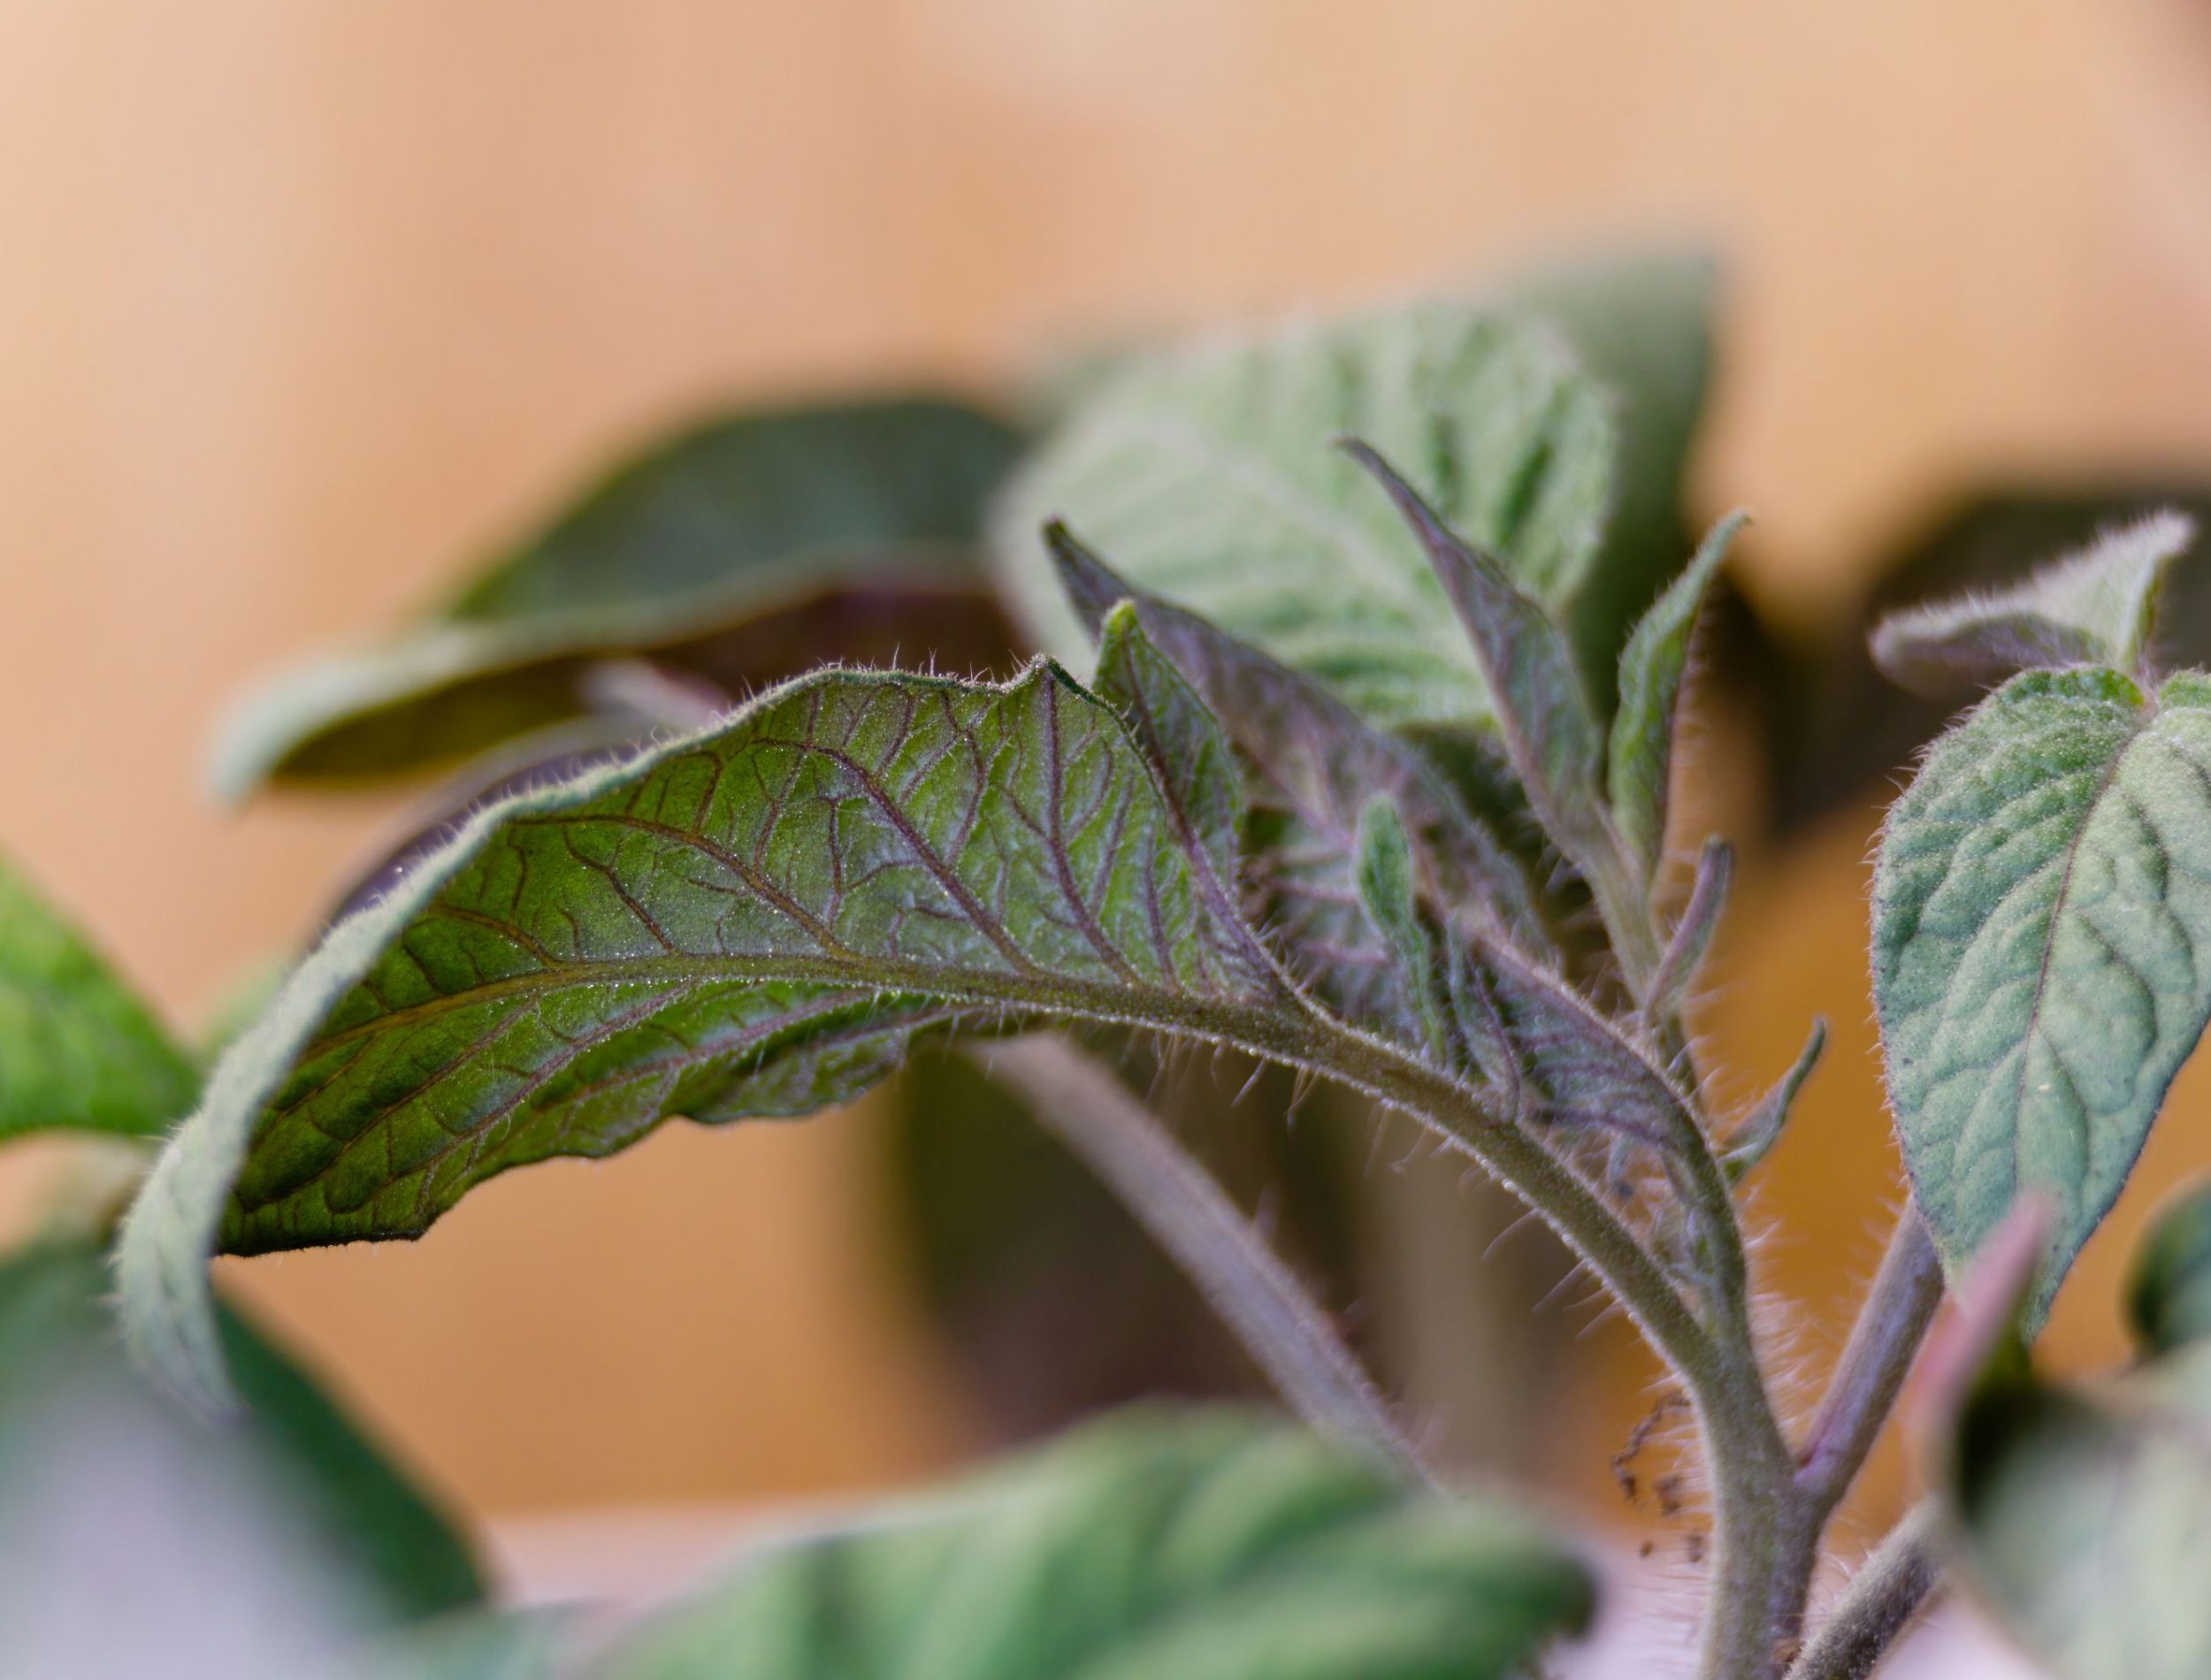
302,302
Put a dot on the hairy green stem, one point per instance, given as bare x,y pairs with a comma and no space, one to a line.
1188,1214
1880,1602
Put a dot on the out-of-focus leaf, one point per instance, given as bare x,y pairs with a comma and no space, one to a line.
1641,323
746,550
380,1531
1206,474
2083,1517
78,1048
2095,608
2168,1295
537,1644
2042,948
751,921
1312,766
1143,1549
1639,752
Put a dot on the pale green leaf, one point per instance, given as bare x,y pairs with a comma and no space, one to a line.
1640,751
2083,1518
2169,1293
78,1048
2042,948
745,549
1207,474
383,1538
754,920
2095,608
1142,1550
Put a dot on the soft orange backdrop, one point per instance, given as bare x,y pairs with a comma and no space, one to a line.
302,302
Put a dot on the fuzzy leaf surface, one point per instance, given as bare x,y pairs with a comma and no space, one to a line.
2095,608
78,1048
1312,766
745,549
381,1531
2085,1517
1207,475
2042,948
1143,1549
752,922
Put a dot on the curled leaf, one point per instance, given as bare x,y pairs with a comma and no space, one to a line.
2168,1292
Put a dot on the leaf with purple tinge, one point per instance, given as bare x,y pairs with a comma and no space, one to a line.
1311,767
753,920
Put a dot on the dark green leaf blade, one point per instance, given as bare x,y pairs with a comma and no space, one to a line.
746,549
1640,752
79,1050
2095,608
2042,948
380,1531
1143,1549
1206,473
752,922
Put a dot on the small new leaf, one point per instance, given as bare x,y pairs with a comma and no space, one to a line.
1640,752
2168,1293
1387,892
1753,1138
78,1048
1693,933
2042,948
1142,1548
752,922
2096,608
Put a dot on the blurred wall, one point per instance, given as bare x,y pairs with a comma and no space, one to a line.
302,302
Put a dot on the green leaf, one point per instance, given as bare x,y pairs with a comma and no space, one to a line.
1207,474
752,922
381,1530
1312,766
746,549
1641,323
2169,1293
1693,932
2083,1517
2042,948
1536,693
1640,751
2096,608
78,1048
1142,1550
